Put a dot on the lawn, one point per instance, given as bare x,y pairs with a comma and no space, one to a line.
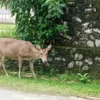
7,30
50,85
7,26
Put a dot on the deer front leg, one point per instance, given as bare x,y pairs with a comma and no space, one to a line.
20,61
0,66
32,69
3,65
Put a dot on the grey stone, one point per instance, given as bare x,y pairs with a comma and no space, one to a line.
97,43
83,43
69,37
47,64
58,58
85,25
79,63
89,61
70,3
88,31
90,6
50,59
65,23
64,59
77,19
92,37
74,50
78,56
97,58
90,10
71,64
97,36
53,52
75,43
96,30
83,37
90,43
85,68
78,32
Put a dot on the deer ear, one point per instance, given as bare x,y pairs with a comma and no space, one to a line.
49,47
38,47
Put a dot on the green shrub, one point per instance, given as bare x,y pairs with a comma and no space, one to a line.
52,72
84,78
39,21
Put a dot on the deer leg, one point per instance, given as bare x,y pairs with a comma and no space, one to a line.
32,69
0,62
20,61
3,65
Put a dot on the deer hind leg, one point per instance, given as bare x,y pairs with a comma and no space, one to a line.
3,65
20,61
32,69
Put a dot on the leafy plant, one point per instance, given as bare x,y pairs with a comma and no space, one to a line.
38,20
84,78
52,72
54,8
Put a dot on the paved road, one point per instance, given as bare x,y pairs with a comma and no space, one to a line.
15,95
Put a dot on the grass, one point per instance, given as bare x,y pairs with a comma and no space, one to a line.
49,85
7,26
7,30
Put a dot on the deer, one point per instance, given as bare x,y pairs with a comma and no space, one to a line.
21,50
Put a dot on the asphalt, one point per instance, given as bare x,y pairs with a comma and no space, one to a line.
6,94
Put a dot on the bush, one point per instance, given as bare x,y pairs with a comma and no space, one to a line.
84,78
38,20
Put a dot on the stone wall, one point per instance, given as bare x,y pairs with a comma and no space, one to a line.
81,48
75,59
83,19
63,58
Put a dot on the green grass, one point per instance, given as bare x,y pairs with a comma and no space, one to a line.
7,30
51,86
7,26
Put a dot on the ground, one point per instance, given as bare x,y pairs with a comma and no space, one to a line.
6,94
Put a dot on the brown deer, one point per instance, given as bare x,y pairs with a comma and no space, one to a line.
21,50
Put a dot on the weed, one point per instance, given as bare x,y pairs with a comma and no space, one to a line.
84,78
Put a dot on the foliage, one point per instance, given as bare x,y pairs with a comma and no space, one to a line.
46,70
64,78
52,72
38,20
84,78
54,8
